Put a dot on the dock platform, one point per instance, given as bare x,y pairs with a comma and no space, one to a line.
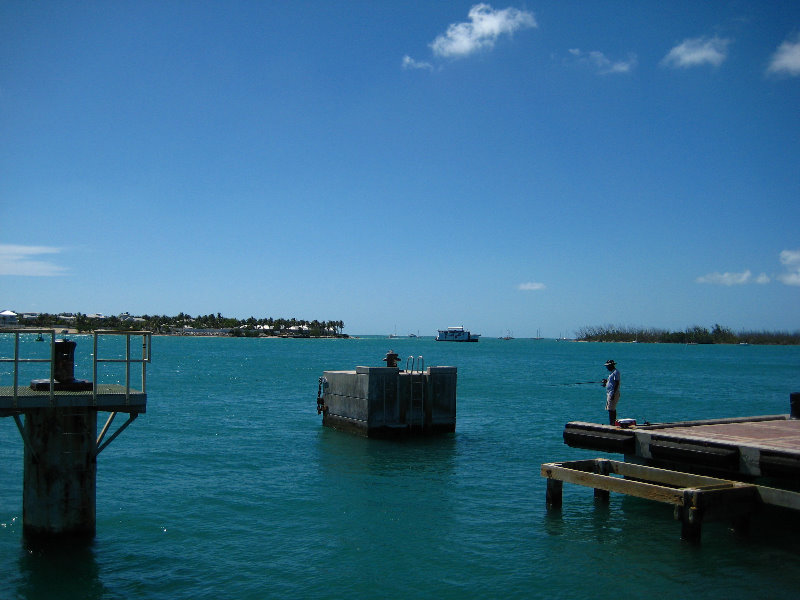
59,433
741,448
710,469
107,397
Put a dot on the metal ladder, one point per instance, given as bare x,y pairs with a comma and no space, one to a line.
416,391
75,428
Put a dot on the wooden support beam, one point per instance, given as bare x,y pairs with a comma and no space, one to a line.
695,498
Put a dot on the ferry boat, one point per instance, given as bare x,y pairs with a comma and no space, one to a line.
457,334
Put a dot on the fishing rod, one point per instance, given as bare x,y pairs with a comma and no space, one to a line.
574,383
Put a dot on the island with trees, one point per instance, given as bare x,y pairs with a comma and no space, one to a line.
691,335
183,324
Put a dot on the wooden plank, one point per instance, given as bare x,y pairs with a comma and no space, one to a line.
614,484
778,497
665,476
589,473
718,497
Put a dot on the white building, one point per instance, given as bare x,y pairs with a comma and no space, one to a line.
8,317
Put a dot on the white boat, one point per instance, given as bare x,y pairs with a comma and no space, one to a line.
457,334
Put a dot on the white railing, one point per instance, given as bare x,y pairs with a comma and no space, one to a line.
146,357
16,359
128,359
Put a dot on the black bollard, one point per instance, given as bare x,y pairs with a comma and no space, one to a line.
63,371
64,367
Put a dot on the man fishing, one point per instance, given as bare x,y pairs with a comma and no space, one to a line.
612,391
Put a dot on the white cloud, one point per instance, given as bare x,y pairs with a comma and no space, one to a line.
696,52
16,260
484,27
529,286
604,64
790,278
786,60
727,278
410,63
791,260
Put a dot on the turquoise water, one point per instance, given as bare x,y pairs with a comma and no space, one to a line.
229,487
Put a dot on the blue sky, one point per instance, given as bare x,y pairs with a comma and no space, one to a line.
404,166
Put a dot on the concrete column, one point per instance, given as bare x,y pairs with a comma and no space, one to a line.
60,476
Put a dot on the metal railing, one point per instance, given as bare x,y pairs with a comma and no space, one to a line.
17,360
146,357
415,362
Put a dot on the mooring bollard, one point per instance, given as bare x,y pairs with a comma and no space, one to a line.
64,366
391,359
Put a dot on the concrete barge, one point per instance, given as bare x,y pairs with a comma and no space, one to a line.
388,401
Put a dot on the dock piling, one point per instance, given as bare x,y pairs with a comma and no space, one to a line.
60,434
60,473
554,495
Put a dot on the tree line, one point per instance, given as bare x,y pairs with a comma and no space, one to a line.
180,322
691,335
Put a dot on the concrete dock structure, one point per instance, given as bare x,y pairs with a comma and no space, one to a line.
745,448
60,432
388,401
716,468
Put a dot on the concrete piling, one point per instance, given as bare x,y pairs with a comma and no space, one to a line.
60,473
60,433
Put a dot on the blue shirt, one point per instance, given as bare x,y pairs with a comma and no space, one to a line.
612,385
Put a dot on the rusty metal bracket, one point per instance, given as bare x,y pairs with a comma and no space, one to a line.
101,447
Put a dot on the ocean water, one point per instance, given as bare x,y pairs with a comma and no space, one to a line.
229,487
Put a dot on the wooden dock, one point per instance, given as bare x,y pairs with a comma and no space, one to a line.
711,469
696,498
745,448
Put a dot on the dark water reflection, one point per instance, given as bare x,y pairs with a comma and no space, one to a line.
63,569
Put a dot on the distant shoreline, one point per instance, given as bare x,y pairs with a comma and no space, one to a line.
691,336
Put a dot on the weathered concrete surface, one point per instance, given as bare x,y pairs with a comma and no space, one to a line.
381,401
59,480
